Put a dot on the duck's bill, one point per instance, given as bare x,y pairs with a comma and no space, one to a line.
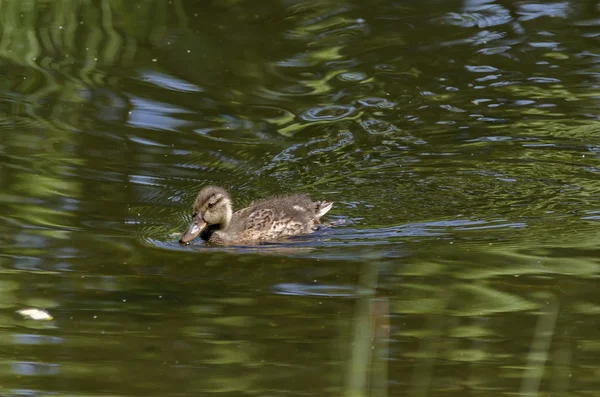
193,230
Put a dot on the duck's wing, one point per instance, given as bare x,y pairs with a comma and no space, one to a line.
274,218
273,224
303,207
259,219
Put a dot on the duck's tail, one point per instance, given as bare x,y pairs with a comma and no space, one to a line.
322,207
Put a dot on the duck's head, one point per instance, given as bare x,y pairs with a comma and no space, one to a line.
212,207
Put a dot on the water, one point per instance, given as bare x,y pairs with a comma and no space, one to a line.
458,140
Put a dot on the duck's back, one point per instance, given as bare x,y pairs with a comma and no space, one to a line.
275,218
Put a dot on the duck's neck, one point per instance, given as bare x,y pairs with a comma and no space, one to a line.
227,217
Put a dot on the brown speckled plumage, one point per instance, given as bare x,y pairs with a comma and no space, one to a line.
265,220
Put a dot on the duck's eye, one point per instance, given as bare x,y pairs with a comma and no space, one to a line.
210,205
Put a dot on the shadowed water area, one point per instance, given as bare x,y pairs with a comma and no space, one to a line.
460,142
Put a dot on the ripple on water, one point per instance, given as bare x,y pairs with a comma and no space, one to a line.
272,114
481,68
377,127
345,241
494,50
479,15
352,76
315,290
168,81
328,113
156,115
376,102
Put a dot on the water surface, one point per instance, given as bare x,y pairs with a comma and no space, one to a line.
459,140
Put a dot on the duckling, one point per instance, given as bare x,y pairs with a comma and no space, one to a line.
265,220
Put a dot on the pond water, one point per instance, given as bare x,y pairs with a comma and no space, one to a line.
460,142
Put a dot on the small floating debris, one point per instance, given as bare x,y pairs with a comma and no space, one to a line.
35,314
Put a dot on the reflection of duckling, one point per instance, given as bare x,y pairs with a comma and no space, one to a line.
266,220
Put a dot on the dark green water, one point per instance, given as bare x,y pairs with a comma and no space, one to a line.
460,142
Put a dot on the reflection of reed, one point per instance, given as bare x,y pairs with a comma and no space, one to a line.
538,354
367,372
423,370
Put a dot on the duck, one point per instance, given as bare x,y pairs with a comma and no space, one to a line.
266,220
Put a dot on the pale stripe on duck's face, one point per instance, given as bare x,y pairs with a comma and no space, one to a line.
213,201
216,209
